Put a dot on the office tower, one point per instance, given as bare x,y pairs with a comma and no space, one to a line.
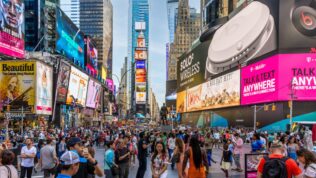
138,28
40,25
187,30
96,20
172,10
72,10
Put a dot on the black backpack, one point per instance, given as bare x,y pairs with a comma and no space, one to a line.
274,168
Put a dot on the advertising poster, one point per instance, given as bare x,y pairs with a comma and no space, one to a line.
17,87
94,94
222,91
12,28
44,89
260,82
181,101
103,73
140,75
110,84
140,64
70,40
140,87
140,54
191,67
140,97
297,76
63,81
91,54
78,86
194,100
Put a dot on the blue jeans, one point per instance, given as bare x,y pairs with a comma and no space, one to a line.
209,157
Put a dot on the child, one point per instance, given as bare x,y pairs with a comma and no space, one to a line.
226,160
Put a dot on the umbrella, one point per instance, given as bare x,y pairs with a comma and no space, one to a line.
139,115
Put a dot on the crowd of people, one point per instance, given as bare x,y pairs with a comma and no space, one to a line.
189,151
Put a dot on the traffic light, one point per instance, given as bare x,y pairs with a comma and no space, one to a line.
8,108
290,104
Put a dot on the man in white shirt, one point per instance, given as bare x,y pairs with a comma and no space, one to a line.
28,154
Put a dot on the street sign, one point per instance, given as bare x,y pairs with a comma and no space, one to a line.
14,116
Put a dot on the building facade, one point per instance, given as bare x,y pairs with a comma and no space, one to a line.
40,23
72,10
96,19
172,9
187,30
138,12
122,100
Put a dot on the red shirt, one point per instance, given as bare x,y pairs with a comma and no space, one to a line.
291,166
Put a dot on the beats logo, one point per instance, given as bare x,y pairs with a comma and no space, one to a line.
304,17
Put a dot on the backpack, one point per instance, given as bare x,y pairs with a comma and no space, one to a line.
274,168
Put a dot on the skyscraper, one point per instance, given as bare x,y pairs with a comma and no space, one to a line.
138,12
187,30
172,10
72,10
96,19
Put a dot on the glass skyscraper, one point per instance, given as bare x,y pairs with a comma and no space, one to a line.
138,12
172,8
72,10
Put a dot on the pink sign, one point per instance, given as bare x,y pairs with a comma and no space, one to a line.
11,46
259,81
279,76
110,84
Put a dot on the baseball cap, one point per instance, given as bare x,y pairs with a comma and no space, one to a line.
276,144
69,158
73,140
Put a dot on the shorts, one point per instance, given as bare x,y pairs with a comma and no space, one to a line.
225,165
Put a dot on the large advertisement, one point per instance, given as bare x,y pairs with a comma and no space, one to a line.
78,86
44,89
94,94
182,101
12,28
140,93
70,40
63,81
191,67
140,75
223,91
17,87
279,78
91,54
259,81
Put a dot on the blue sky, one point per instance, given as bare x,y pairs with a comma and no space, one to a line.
158,37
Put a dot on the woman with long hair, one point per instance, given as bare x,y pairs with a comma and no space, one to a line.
197,160
159,161
6,166
292,147
178,155
308,159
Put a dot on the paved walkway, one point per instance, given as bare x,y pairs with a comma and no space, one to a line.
215,171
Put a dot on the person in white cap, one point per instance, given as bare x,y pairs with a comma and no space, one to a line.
69,164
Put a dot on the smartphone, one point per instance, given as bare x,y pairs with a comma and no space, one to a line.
85,151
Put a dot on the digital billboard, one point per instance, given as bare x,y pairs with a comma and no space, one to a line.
140,64
181,101
70,40
78,86
110,84
17,87
194,99
44,89
278,77
140,87
94,94
140,75
91,56
12,28
62,82
140,97
223,91
140,54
